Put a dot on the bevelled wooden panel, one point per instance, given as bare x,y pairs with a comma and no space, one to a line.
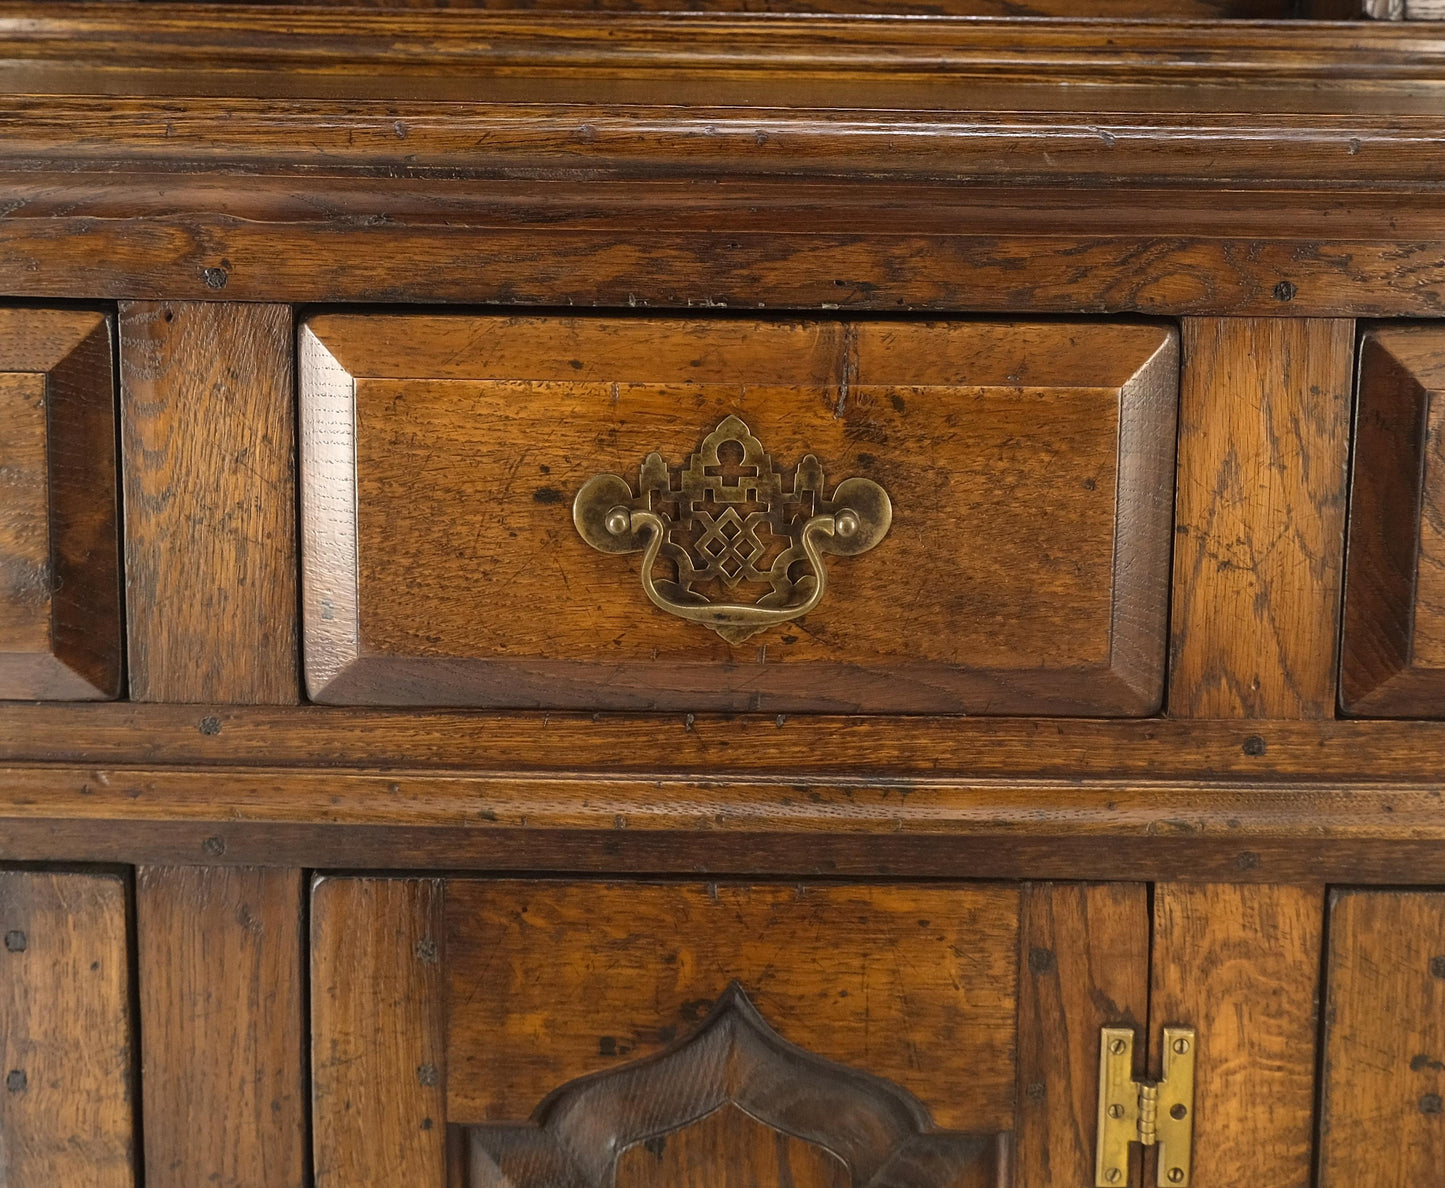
441,457
1259,538
915,985
208,442
1393,645
1084,965
219,951
1242,966
65,1033
378,1033
60,614
1381,1115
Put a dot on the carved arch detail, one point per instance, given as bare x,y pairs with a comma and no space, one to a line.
880,1132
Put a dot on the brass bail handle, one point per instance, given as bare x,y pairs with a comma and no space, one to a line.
722,516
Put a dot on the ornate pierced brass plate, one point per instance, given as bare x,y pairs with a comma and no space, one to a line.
728,518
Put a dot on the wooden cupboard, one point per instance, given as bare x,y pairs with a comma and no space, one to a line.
719,599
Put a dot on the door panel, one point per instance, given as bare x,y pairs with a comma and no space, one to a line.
556,1034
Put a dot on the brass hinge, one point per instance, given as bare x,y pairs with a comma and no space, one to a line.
1154,1115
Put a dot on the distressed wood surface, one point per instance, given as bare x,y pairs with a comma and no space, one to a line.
1242,966
1393,645
1091,150
1259,532
916,985
441,456
378,1033
1237,754
1083,965
59,546
1121,829
1381,1119
66,1112
221,987
208,444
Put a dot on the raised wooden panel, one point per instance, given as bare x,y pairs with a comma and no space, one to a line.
441,456
1242,966
916,985
66,1115
1084,965
1382,1120
1259,539
220,955
378,1026
731,1106
60,616
208,435
1393,660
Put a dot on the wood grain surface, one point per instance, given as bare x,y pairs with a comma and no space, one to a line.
60,616
221,989
1393,644
66,1115
384,154
1134,9
1259,531
208,444
729,1149
1236,755
1242,966
733,1100
441,456
1384,1040
916,985
1084,964
378,1033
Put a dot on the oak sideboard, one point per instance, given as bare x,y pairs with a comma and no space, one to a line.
777,596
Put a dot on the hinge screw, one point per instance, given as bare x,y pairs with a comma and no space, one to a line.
1176,1175
1180,1047
1116,1110
1116,1047
1113,1175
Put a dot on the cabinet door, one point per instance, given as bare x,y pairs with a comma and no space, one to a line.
551,1034
1382,1119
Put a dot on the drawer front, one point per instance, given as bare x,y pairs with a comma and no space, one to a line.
1393,646
60,628
884,516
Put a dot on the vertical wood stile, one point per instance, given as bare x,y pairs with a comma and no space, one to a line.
66,1117
221,992
208,454
1260,517
379,1033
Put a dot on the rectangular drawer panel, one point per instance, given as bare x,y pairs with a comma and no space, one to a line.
1028,468
60,628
